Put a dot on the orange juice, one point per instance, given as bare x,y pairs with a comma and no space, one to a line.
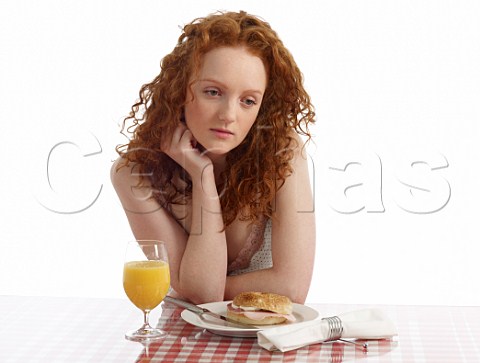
146,282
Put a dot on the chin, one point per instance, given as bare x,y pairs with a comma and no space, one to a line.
217,151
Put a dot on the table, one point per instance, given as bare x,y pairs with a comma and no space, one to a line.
49,329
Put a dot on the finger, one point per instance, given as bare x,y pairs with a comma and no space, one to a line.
178,133
188,139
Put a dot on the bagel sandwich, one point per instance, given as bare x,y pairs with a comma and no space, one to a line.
260,308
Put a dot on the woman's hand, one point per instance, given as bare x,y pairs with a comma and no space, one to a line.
183,149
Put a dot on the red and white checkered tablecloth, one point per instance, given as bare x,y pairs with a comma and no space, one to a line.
36,329
426,334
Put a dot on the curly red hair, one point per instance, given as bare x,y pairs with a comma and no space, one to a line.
256,168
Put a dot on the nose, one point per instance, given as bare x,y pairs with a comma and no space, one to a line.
227,112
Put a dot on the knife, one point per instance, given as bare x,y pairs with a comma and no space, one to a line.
204,311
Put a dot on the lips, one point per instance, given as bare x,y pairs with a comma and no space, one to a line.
222,133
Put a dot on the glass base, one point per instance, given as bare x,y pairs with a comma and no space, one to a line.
145,334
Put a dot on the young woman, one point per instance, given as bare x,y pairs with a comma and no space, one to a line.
216,166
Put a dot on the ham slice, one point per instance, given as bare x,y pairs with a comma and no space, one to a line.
260,314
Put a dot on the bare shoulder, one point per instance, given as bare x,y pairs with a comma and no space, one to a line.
122,176
117,170
300,158
299,147
133,191
120,170
297,189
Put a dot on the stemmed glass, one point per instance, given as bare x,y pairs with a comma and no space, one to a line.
146,280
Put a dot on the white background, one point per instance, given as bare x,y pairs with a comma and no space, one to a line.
396,86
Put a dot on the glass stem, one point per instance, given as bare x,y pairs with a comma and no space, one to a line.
146,313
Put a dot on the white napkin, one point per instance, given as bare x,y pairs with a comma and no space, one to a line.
359,324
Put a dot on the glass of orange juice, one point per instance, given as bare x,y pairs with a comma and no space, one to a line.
146,280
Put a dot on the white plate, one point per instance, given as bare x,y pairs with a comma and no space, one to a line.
216,326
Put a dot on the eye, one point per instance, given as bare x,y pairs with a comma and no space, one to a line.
249,101
212,92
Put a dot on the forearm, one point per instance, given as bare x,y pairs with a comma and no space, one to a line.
292,269
295,285
202,272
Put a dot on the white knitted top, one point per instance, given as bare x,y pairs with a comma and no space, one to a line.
262,258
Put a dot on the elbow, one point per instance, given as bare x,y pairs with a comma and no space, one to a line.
297,294
297,289
299,297
198,288
295,286
300,291
199,299
199,294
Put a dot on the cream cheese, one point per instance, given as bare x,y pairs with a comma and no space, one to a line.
245,308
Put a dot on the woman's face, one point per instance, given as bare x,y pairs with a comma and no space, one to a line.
225,98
